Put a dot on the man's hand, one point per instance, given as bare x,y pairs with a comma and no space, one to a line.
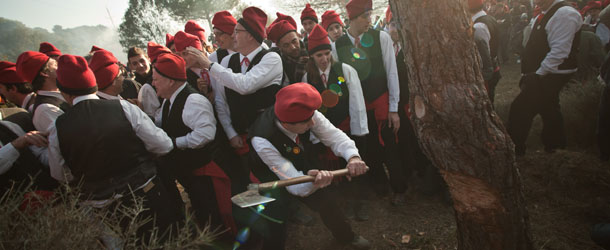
236,142
203,85
323,177
394,121
134,101
356,167
200,57
35,138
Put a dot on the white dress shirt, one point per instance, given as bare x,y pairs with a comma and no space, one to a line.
155,139
45,114
9,154
389,63
603,33
331,136
27,100
560,29
266,73
481,31
149,101
109,97
357,108
198,115
214,56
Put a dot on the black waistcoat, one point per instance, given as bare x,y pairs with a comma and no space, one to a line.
42,99
368,62
494,43
221,53
143,79
101,148
337,114
303,157
183,159
246,108
191,78
538,46
403,78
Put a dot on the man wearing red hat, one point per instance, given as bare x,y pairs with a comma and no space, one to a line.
309,19
247,80
224,25
108,74
371,53
331,22
122,159
294,56
208,174
283,149
197,77
191,27
548,63
14,88
487,41
39,69
147,97
48,49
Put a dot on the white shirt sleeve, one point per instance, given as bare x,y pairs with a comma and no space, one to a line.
57,164
357,108
389,62
222,108
45,115
603,33
8,156
213,57
561,30
198,115
333,137
482,32
149,100
281,166
267,72
155,139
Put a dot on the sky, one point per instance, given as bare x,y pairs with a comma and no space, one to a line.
72,13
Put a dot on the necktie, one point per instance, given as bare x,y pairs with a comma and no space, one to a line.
323,78
205,75
245,61
396,49
539,19
357,42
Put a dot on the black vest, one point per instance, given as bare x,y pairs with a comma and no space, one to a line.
221,54
403,78
145,78
102,150
337,114
191,78
368,62
246,108
538,46
183,159
494,43
27,165
303,157
42,99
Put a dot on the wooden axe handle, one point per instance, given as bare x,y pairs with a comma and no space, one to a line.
297,180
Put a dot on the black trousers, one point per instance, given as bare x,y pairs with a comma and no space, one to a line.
603,125
538,95
376,155
324,203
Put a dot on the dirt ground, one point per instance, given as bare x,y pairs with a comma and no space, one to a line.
566,192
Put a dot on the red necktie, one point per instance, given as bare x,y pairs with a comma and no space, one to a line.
245,61
323,78
396,49
539,19
205,75
357,42
297,140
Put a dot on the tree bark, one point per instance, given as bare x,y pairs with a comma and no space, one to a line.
457,126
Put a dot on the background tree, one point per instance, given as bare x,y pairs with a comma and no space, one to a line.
197,9
145,21
458,127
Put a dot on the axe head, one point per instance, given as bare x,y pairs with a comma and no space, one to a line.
250,198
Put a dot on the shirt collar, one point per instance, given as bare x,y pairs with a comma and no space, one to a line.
327,71
290,135
84,97
171,99
109,97
26,100
353,38
478,14
51,93
251,55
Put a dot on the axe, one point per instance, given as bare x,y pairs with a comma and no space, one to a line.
252,197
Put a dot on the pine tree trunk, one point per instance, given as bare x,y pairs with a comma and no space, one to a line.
457,126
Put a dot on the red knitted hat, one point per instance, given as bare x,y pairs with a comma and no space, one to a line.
254,21
193,28
276,31
318,40
74,76
154,50
329,17
297,102
224,21
95,48
288,18
169,40
105,67
8,73
356,8
475,4
30,63
309,13
184,40
48,49
171,66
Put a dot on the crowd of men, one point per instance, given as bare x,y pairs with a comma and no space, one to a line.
269,104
